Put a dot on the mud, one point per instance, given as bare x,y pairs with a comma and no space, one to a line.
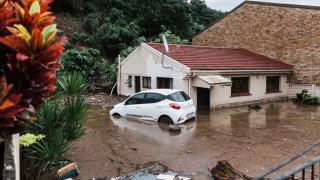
251,141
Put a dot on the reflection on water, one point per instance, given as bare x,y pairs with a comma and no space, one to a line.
155,131
237,121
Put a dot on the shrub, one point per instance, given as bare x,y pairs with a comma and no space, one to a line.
60,121
310,99
306,98
89,63
80,61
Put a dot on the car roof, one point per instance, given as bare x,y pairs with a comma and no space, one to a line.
162,91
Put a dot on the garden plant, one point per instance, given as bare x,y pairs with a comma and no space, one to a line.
29,49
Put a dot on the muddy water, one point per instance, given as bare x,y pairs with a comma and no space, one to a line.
252,141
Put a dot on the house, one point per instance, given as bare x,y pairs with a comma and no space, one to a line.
212,77
286,32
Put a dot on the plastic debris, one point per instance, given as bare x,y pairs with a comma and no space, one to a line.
68,171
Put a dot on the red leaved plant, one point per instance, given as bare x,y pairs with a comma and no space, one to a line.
29,50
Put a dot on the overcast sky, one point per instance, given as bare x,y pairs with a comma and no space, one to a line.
227,5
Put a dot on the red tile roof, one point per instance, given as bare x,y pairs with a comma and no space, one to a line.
209,58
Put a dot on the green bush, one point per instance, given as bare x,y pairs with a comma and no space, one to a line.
88,63
73,84
60,121
310,99
80,61
306,98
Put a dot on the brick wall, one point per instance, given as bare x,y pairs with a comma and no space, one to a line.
287,33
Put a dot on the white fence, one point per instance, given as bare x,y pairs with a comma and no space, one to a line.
293,89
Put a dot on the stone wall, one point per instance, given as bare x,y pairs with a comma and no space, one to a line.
282,32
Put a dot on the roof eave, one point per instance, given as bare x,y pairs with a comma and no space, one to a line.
234,72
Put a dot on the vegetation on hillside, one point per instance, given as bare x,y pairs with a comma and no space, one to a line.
114,25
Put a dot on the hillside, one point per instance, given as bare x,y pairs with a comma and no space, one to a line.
114,26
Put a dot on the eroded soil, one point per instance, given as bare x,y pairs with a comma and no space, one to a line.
251,141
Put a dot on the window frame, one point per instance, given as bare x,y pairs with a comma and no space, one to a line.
142,101
246,92
277,82
150,93
148,79
129,81
161,82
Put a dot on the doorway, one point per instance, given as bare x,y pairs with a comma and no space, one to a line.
203,98
137,82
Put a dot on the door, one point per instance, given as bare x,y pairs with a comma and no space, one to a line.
153,106
203,98
133,105
137,83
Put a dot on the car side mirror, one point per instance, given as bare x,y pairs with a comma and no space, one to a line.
126,103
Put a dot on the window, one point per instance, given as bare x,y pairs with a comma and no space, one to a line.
146,82
164,83
178,96
153,98
129,81
273,84
240,86
136,99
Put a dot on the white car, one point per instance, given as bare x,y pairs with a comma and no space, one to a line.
162,105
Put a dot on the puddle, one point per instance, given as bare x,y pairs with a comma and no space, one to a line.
252,141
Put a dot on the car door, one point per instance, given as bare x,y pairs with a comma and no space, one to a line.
152,105
133,105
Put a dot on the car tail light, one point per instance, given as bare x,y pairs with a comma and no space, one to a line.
175,106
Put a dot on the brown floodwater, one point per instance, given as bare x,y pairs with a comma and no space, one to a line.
252,141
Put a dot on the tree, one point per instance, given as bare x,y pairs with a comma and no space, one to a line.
202,14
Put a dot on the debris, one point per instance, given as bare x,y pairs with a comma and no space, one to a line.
175,128
149,172
165,177
255,107
103,178
171,177
224,171
68,171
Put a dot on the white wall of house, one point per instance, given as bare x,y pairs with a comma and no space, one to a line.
147,62
221,95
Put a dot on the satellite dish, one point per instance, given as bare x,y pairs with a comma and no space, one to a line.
165,44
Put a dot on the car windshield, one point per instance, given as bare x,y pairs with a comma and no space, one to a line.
179,96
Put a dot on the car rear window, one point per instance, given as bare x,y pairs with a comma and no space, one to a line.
153,98
179,96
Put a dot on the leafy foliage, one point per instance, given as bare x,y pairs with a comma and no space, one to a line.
73,84
310,99
172,38
115,26
29,50
306,98
28,139
202,14
80,61
60,121
89,63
